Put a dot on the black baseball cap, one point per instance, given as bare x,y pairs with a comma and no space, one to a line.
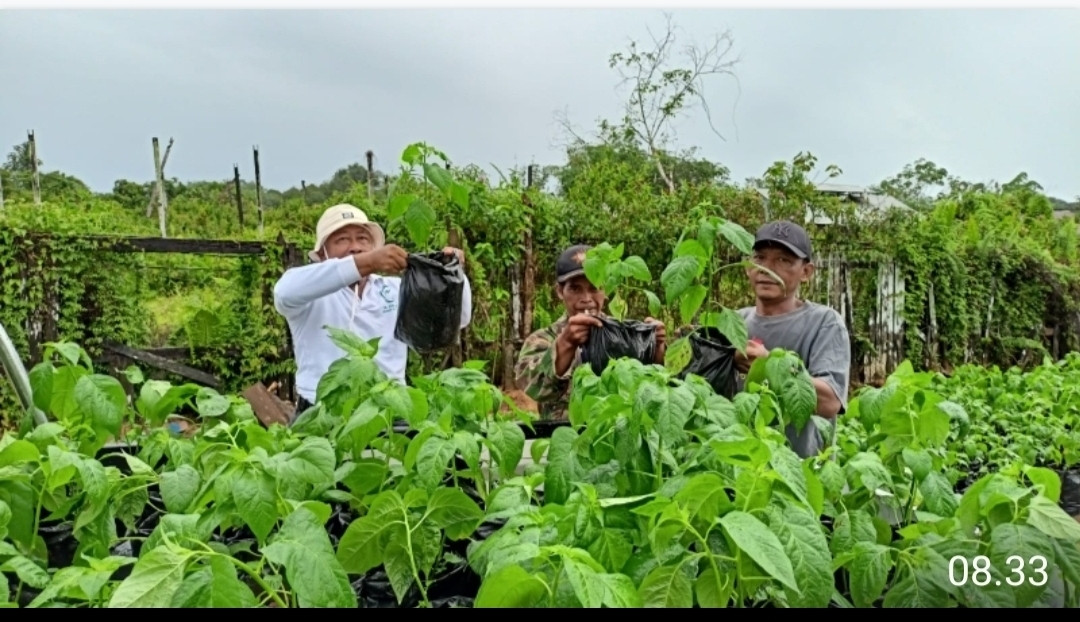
787,234
571,263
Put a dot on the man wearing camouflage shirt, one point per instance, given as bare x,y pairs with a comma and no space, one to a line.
550,355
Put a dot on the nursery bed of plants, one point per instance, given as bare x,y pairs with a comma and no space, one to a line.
657,493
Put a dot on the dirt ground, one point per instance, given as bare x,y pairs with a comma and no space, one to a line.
524,402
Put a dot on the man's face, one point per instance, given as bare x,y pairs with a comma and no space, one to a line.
580,296
785,264
347,241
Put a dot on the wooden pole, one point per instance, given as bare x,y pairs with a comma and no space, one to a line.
239,199
163,200
36,180
258,189
370,174
153,191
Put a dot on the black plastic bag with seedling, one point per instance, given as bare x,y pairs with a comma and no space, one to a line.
429,317
617,339
713,358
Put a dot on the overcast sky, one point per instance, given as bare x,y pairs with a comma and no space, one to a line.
986,94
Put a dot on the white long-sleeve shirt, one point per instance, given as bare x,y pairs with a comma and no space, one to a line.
320,294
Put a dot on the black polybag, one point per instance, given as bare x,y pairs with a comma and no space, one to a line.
1070,493
615,339
713,358
429,317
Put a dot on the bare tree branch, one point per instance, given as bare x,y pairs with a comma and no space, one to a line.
661,93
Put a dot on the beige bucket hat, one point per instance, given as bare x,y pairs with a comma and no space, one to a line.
343,215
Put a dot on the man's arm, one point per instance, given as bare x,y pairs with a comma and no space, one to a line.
828,404
830,366
535,368
300,286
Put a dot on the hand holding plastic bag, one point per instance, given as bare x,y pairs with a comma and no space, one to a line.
615,339
429,317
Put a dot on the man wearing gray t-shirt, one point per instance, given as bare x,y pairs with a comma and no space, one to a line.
780,319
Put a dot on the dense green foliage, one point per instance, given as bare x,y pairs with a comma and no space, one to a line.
659,493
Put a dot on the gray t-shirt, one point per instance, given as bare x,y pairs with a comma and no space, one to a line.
817,333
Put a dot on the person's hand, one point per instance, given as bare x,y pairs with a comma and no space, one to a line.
450,250
389,259
576,331
754,350
661,338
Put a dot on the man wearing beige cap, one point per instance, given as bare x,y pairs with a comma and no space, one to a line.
352,286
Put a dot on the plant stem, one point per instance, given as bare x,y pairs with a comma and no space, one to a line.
257,579
412,565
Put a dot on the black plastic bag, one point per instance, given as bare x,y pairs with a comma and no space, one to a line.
1070,493
429,317
615,339
713,358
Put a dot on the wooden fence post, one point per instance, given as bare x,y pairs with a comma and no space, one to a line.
159,175
258,189
35,180
239,199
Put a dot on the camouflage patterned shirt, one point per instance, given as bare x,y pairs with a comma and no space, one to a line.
535,372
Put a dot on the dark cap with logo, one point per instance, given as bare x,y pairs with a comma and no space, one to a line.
571,263
787,234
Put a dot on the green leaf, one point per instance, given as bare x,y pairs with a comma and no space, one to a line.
1049,518
459,194
794,387
1043,478
921,583
154,579
704,497
668,587
256,500
179,488
432,461
869,572
733,326
510,587
419,220
103,400
216,587
359,548
919,461
1029,544
693,248
506,441
714,590
636,268
438,176
619,591
739,237
303,547
800,534
585,582
18,450
562,468
398,204
755,539
938,494
678,354
655,306
210,403
691,301
680,274
454,512
27,571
